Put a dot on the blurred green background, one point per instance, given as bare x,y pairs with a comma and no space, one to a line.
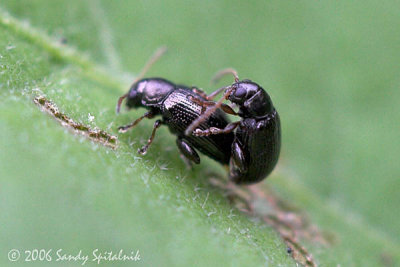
331,68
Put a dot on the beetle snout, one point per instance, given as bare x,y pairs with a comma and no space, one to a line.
133,99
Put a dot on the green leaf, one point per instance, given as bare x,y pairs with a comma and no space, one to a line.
331,69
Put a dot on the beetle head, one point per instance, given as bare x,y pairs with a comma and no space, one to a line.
146,93
251,99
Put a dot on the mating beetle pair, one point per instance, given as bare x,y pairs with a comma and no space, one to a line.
251,145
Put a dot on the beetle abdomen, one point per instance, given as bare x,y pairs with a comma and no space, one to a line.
261,143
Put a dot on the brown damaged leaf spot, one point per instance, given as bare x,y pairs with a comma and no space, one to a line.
95,135
292,225
387,259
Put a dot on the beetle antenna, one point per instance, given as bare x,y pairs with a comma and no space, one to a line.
120,102
208,112
156,56
153,59
224,72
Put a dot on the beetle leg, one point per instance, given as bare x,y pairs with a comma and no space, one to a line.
199,92
204,95
202,103
213,130
216,92
208,112
188,153
212,95
205,103
238,165
143,150
238,157
228,109
125,128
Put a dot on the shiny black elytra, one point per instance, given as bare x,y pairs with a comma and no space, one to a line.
257,142
178,107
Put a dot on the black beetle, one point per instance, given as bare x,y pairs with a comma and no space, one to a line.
256,146
178,106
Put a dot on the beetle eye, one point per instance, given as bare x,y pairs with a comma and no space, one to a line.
240,92
132,94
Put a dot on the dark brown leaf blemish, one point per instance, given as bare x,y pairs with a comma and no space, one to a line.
95,135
